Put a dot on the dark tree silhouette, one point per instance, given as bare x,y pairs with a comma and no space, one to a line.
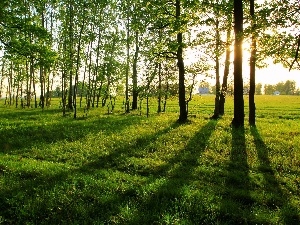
238,120
180,64
252,67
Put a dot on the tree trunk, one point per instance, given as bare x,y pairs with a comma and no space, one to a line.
84,74
217,68
238,120
33,85
252,67
42,97
70,67
159,89
127,66
89,89
105,97
18,87
134,73
226,68
33,81
166,95
28,85
63,91
2,78
180,64
42,82
77,68
10,83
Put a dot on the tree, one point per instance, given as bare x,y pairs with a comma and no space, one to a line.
227,64
238,120
216,16
180,64
286,88
258,88
252,65
269,89
290,87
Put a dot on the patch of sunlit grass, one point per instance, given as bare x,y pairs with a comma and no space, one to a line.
129,169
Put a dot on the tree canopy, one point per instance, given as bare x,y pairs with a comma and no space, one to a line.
143,45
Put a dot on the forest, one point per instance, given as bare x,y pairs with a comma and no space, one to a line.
94,50
100,123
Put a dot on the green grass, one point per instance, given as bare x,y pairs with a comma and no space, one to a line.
130,169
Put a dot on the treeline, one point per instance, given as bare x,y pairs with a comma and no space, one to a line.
283,88
95,49
288,87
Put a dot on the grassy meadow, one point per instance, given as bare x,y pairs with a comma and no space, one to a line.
121,168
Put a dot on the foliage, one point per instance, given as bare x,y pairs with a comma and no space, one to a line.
100,46
285,88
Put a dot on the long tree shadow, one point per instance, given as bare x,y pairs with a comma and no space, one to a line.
277,197
166,201
236,196
28,114
117,157
20,139
96,208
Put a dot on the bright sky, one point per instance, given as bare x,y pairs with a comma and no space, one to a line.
276,73
272,74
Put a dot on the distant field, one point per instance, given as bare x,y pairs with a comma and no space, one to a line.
121,168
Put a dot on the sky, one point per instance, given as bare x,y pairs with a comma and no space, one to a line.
276,73
271,74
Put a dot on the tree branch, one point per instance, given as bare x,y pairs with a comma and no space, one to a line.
297,53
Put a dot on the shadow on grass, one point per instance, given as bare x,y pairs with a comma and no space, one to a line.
276,198
236,197
73,195
165,202
20,139
12,113
117,159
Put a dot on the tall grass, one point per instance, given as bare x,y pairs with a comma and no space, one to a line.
129,169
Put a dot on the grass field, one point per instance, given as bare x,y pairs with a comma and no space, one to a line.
130,169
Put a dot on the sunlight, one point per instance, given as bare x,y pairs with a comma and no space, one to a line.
271,74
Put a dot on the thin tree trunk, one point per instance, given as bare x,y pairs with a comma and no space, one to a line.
10,81
70,68
166,95
64,83
33,82
105,97
63,94
50,90
127,66
99,93
226,69
134,73
159,89
2,77
84,74
94,86
18,87
42,97
77,69
217,68
96,95
42,78
180,64
28,85
252,67
89,90
238,120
